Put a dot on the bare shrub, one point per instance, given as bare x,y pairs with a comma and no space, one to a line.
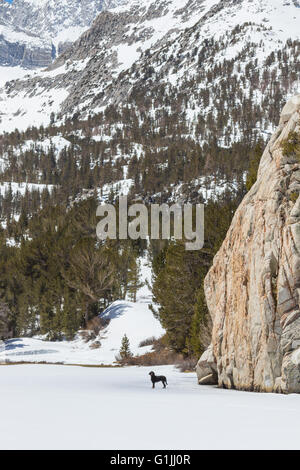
95,325
148,342
93,328
95,345
161,355
187,364
155,358
86,335
161,344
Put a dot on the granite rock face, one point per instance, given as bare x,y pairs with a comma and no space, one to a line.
33,33
253,288
28,56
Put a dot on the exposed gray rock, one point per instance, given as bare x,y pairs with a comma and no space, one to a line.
46,28
15,53
102,48
290,108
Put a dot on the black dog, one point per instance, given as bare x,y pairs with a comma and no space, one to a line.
158,378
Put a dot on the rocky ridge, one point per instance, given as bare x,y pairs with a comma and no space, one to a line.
34,32
202,52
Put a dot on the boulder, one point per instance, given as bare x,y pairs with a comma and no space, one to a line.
290,108
206,368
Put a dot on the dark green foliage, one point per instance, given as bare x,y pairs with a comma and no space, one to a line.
200,332
125,352
253,166
61,276
294,196
291,146
178,282
5,322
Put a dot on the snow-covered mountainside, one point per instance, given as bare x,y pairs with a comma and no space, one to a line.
33,32
113,44
217,57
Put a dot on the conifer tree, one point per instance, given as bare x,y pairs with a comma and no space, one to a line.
253,167
134,279
5,314
125,352
201,325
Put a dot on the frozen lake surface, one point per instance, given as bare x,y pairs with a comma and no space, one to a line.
70,407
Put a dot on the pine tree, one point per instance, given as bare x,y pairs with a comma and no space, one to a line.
253,167
5,330
125,352
70,314
134,279
200,333
175,285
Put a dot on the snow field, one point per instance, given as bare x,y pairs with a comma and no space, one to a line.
63,407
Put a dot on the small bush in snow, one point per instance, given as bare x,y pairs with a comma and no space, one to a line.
125,352
147,342
187,364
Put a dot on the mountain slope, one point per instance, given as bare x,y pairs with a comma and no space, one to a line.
114,42
219,59
33,32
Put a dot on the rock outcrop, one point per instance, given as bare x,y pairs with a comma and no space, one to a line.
32,32
253,288
14,53
207,369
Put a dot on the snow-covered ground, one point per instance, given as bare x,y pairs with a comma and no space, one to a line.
13,73
131,318
64,407
22,187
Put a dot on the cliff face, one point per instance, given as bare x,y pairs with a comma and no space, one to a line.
253,287
34,32
29,56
